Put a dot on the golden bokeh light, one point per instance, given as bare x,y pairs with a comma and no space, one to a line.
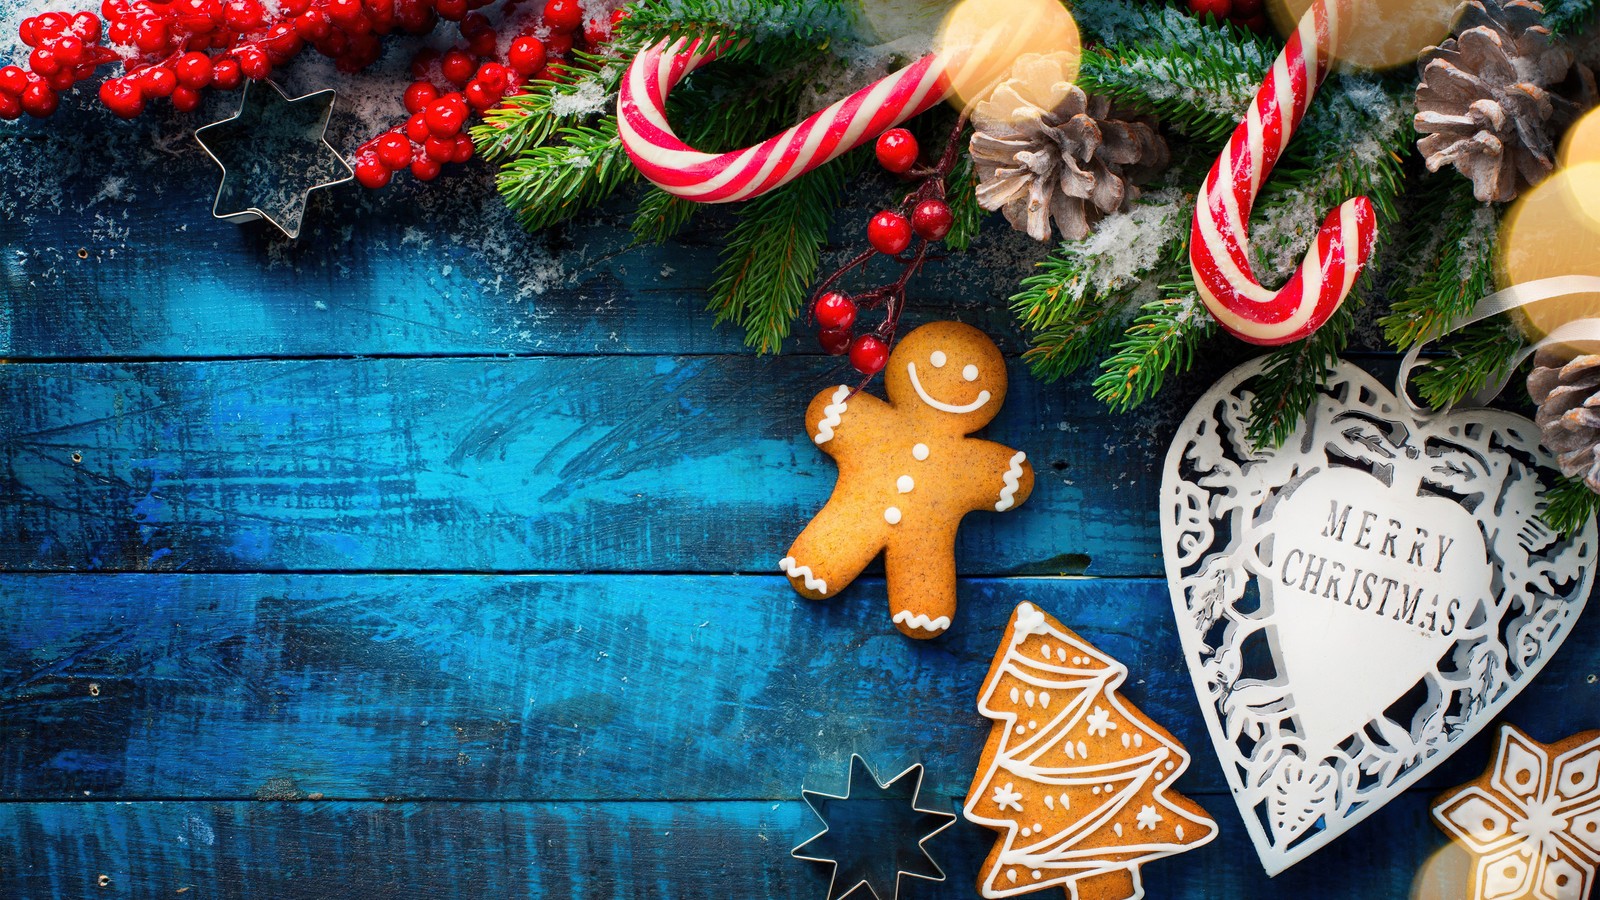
1554,230
1582,143
1378,34
980,39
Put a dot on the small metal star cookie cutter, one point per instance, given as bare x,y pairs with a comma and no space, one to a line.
273,153
819,801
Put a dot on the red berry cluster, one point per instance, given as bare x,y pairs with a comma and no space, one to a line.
923,214
173,49
1247,14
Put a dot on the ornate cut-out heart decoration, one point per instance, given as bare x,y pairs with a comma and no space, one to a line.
1357,604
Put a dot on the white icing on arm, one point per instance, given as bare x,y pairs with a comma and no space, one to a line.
832,414
1013,479
921,621
790,568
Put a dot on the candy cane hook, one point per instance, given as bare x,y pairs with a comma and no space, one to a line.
681,170
1219,249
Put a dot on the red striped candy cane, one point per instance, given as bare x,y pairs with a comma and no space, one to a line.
1219,249
679,169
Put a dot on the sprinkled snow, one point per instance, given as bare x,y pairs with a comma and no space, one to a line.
589,97
1477,245
1126,245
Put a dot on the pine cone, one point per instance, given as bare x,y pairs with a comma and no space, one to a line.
1045,150
1567,391
1486,103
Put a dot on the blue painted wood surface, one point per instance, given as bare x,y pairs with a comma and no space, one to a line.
423,558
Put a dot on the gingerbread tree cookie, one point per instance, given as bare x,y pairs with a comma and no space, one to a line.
908,473
1074,778
1532,820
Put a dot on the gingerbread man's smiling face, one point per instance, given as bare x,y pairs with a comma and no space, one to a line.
950,370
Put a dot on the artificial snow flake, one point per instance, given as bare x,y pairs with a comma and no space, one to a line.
1100,722
1147,818
1006,797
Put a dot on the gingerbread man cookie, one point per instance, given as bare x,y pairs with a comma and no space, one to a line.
908,473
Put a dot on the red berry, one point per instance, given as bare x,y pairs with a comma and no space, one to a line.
69,50
313,25
43,61
446,115
394,151
39,101
617,15
456,67
244,15
422,63
834,343
185,99
932,219
62,80
450,9
1259,23
835,312
480,96
86,25
10,107
485,43
495,76
253,63
1218,9
417,128
563,16
463,149
193,70
1247,8
122,97
897,150
226,74
868,354
557,44
425,168
419,95
157,81
526,55
439,149
13,80
371,173
889,232
597,30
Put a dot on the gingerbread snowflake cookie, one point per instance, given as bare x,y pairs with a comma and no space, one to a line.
908,473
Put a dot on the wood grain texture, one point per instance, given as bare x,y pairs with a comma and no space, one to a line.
646,464
467,851
550,687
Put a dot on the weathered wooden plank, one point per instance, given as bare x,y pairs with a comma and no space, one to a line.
550,687
111,251
442,851
535,464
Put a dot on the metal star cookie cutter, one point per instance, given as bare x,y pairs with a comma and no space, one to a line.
273,153
819,801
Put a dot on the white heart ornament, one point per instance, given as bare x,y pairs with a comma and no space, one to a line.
1360,602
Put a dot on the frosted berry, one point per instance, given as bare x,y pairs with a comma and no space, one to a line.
371,173
446,116
122,97
39,101
868,354
394,151
157,81
193,70
226,74
1219,9
10,107
932,219
457,67
834,343
13,80
185,99
889,232
419,95
563,16
897,150
463,149
835,311
526,55
425,168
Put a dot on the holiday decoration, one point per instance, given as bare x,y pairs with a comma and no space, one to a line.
685,172
875,836
1532,820
1487,103
1076,780
1044,150
1357,604
1566,387
1219,247
908,474
273,153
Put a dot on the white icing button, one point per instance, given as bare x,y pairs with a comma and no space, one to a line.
938,359
892,515
905,484
970,373
920,451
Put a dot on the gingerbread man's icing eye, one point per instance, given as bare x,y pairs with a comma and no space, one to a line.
970,373
938,359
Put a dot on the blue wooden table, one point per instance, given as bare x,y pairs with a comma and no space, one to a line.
423,558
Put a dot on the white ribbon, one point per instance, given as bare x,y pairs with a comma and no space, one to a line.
1515,297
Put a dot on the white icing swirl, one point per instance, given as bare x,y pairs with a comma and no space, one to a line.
832,414
790,568
904,617
1013,479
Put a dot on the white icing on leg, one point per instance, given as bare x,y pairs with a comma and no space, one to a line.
832,414
1013,480
793,570
922,622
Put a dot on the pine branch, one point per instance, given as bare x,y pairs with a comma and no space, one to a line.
962,193
1450,263
661,216
1162,341
772,255
1569,16
548,184
1570,505
1472,358
1288,385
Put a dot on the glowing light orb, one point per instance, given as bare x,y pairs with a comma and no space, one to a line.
980,39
